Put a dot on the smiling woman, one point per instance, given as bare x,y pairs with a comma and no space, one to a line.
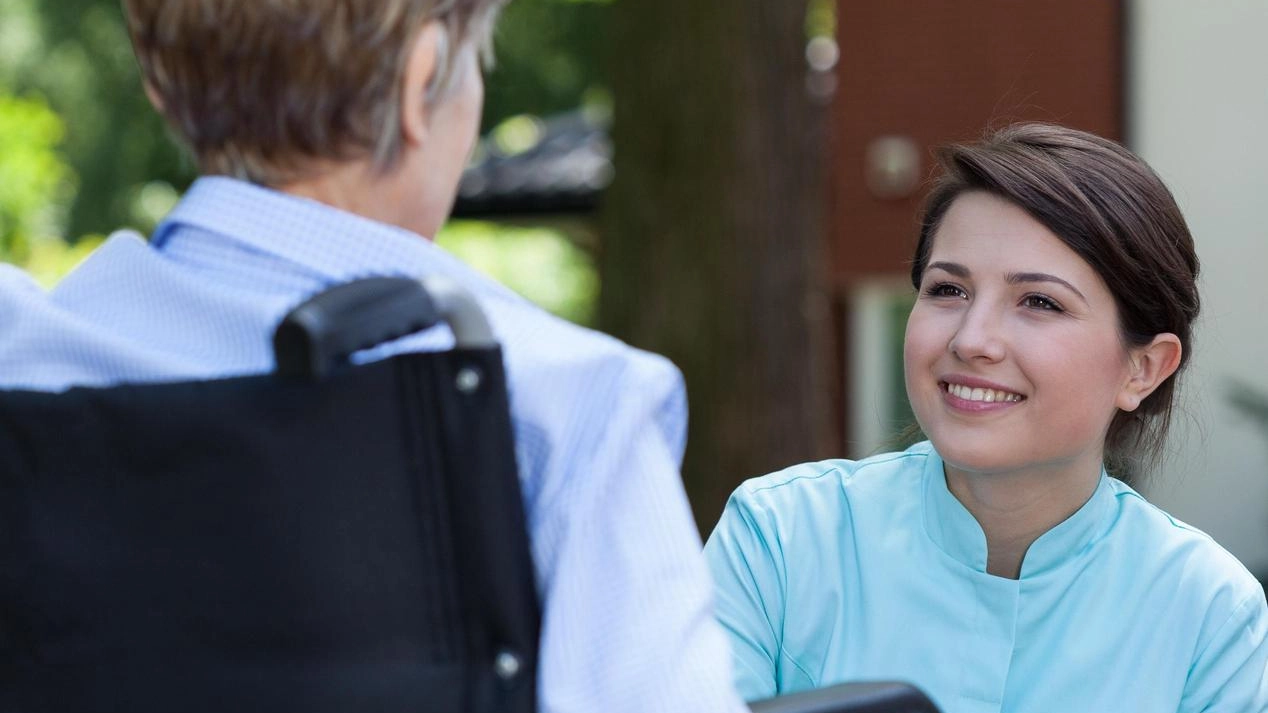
1112,211
999,565
988,323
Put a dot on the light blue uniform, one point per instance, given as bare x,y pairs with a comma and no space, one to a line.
872,569
599,427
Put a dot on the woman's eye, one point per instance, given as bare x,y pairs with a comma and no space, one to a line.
945,289
1042,302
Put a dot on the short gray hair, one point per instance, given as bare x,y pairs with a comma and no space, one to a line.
262,89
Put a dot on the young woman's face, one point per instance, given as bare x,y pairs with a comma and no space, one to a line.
1013,357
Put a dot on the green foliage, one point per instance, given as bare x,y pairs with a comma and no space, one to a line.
49,260
548,58
21,39
539,263
34,181
76,54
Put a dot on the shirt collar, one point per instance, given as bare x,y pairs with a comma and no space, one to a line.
954,529
334,243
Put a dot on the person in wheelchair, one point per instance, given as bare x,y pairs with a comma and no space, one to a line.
331,135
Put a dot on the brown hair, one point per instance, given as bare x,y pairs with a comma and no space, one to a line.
260,89
1112,209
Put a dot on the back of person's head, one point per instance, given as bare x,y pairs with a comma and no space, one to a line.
264,89
1111,209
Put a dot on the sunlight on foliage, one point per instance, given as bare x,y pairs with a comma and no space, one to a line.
20,38
538,263
150,203
51,259
35,183
518,134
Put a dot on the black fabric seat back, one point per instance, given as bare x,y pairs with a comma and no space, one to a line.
268,543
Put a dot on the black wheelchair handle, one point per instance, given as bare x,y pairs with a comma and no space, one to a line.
318,337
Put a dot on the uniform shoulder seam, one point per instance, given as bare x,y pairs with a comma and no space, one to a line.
829,468
826,469
1171,520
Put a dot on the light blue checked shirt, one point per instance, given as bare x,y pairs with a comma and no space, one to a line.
628,619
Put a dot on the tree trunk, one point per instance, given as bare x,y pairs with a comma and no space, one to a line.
713,230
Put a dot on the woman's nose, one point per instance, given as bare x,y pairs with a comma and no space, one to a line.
978,336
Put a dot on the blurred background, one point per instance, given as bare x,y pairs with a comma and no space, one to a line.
738,188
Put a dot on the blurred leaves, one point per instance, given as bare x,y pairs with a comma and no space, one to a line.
49,260
539,263
517,134
75,55
548,58
34,181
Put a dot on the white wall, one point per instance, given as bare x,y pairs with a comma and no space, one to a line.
876,364
1198,113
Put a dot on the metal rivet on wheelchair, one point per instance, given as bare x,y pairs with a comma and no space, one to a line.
468,379
506,665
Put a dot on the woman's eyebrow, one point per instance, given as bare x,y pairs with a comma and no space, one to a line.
954,268
1015,278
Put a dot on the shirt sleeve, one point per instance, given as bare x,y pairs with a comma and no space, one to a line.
1230,673
13,277
749,579
628,603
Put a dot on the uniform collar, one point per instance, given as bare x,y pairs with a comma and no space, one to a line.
955,531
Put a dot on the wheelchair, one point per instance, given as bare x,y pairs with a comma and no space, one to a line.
328,537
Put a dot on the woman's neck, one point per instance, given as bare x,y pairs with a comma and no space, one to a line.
356,186
1015,509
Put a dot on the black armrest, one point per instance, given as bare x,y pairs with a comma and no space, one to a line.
880,697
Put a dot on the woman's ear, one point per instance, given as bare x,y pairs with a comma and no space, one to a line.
425,59
1149,366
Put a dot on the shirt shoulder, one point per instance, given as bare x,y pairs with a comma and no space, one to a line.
558,365
541,343
822,493
50,343
885,470
1197,566
14,281
20,294
574,391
